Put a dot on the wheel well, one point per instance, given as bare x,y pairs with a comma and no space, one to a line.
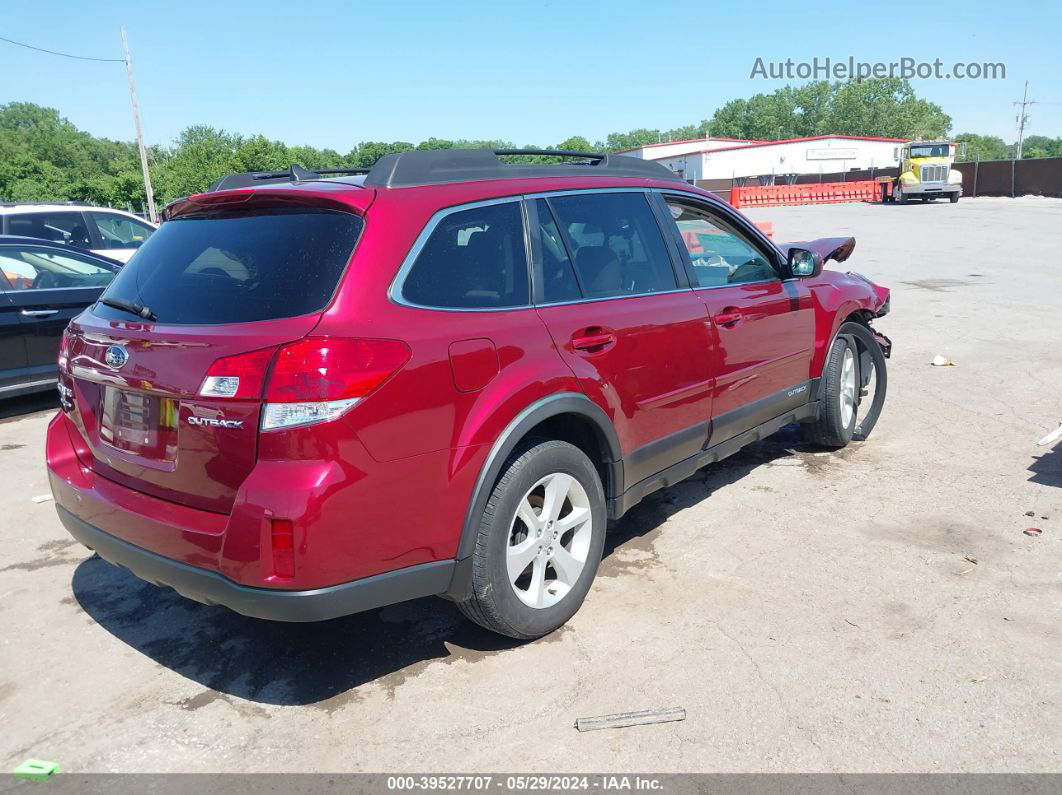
861,316
581,432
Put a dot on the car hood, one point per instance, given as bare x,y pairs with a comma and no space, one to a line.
835,248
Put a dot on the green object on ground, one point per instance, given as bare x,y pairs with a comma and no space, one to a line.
36,769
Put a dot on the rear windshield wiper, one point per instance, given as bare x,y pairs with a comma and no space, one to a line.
130,306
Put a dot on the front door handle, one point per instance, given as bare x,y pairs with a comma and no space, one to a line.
38,312
592,339
729,317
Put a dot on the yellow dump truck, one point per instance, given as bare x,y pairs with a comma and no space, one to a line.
925,171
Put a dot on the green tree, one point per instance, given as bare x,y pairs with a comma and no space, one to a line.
1041,146
884,107
984,147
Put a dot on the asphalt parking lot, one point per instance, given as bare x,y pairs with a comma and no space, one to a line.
873,610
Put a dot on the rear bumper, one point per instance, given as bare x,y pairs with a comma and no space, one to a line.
318,604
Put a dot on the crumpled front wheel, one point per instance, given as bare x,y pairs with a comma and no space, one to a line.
855,360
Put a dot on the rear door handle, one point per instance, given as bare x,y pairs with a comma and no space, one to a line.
38,312
729,316
592,339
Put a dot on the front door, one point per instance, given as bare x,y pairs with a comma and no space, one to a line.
764,326
638,342
47,287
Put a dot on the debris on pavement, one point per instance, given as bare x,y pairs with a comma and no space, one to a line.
1051,437
971,558
623,719
36,769
942,361
1032,531
1030,513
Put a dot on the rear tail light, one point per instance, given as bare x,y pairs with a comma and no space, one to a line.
313,380
64,350
283,541
239,377
320,378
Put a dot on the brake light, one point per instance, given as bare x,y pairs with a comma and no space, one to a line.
320,378
283,538
64,350
239,377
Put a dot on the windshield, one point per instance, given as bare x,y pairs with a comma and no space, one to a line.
930,150
237,269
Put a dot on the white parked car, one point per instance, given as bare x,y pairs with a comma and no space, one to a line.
112,233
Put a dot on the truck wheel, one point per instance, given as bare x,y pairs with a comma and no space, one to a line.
539,541
900,196
954,197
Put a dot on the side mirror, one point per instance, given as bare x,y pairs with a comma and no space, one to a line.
804,263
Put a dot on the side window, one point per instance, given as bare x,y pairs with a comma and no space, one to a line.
557,276
720,255
68,228
42,269
474,259
615,243
117,231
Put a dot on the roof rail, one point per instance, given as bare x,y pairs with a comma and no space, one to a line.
294,173
439,166
70,203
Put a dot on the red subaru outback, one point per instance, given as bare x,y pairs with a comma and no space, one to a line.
306,397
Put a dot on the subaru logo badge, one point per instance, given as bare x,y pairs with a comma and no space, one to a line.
115,357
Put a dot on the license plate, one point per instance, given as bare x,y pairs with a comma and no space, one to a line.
139,423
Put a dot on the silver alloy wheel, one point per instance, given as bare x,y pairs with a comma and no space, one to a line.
549,540
847,394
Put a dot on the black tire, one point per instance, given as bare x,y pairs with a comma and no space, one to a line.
829,430
493,602
904,198
953,197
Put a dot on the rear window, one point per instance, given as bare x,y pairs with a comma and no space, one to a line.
238,269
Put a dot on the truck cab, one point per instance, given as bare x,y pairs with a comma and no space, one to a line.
926,171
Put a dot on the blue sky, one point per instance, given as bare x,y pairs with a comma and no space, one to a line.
333,73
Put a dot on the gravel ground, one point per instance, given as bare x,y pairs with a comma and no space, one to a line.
877,609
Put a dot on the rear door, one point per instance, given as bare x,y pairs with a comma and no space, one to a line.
764,326
59,226
47,288
12,344
632,331
116,235
215,285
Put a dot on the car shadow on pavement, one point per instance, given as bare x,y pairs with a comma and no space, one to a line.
19,407
300,664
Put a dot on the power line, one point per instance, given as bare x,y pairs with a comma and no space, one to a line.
63,54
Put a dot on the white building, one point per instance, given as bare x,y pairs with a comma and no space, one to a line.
725,158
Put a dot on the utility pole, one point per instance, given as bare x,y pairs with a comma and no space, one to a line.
139,133
1022,118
